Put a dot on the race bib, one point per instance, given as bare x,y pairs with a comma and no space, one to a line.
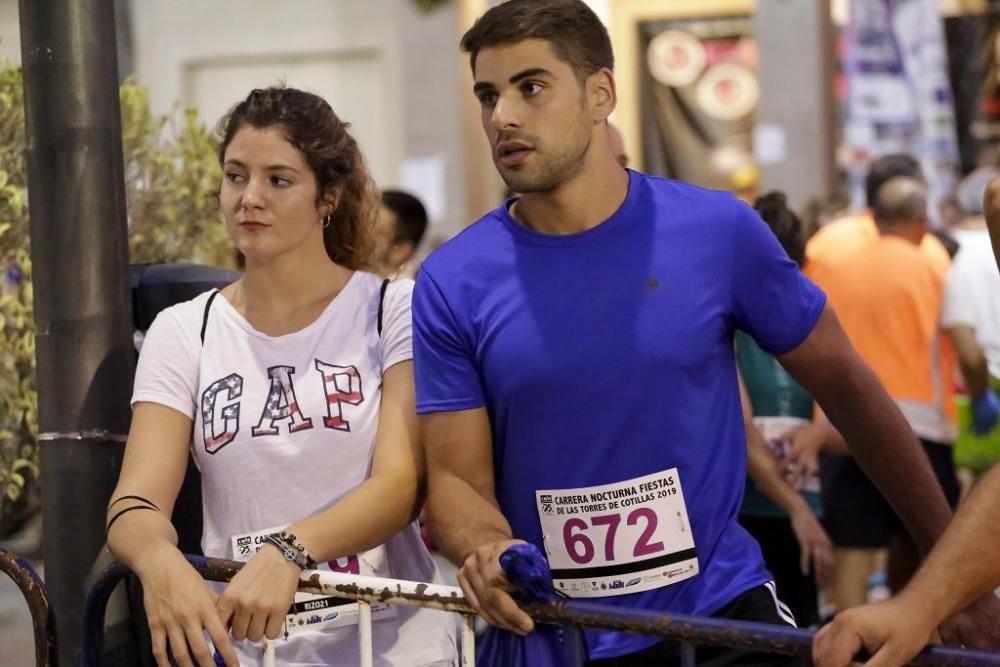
618,538
315,612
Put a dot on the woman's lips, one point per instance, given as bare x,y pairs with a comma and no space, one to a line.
254,226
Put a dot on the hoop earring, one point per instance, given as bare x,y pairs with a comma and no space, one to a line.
327,219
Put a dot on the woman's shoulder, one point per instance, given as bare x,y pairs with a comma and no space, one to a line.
388,289
193,310
187,316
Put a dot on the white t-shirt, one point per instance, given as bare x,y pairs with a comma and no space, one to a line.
284,426
972,293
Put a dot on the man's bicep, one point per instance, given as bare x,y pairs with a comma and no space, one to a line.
460,444
824,359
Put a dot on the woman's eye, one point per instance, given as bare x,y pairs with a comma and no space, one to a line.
233,177
280,182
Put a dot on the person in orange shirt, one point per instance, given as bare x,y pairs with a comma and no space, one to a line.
830,245
888,297
894,631
842,238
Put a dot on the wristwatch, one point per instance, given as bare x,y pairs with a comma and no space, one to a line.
291,549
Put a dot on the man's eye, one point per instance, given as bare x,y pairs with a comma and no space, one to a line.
531,88
488,99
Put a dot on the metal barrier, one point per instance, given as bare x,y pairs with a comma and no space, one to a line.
687,630
364,590
42,617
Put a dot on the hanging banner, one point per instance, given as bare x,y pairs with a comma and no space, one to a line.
985,128
898,94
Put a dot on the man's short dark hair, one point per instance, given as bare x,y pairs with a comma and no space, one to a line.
886,168
411,216
577,36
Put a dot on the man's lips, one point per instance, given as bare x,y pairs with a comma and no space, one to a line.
512,154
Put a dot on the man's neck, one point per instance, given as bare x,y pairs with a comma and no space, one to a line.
913,233
578,205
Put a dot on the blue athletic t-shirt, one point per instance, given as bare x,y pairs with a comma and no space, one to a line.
606,356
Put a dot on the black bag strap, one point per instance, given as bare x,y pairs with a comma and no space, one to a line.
381,304
204,318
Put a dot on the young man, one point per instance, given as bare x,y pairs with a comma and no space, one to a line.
574,354
400,227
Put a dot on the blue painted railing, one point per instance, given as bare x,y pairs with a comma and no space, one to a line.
689,631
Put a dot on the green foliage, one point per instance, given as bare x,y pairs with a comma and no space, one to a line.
172,181
172,177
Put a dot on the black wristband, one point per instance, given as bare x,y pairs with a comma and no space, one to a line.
139,498
124,511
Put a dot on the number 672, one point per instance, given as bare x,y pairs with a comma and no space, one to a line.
581,549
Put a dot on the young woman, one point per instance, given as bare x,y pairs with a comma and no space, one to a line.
296,384
783,517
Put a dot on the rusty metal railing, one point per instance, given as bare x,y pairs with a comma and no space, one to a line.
686,630
365,590
43,620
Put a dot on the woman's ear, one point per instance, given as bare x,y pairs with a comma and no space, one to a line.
330,202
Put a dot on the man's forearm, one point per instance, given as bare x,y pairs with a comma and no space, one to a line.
971,360
963,566
461,519
881,440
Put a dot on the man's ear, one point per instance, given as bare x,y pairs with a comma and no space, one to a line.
402,252
602,93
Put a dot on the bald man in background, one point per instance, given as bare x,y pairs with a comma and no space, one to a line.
618,145
962,568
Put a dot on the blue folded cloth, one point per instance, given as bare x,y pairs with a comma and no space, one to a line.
547,645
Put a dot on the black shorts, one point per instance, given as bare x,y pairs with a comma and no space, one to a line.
758,604
781,556
856,515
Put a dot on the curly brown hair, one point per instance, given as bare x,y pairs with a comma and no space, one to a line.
311,125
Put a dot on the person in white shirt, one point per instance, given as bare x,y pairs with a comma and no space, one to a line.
293,389
961,568
972,289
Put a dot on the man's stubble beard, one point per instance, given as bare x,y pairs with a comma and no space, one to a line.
552,172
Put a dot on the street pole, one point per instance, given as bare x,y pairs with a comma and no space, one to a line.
79,253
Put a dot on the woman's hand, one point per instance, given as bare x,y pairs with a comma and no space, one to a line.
180,608
256,601
806,442
814,545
